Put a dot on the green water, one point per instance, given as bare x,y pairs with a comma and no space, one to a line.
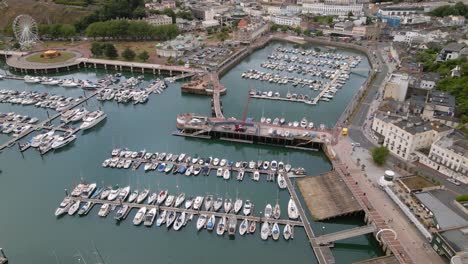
31,186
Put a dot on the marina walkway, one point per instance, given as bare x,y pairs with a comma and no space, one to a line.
373,215
323,254
348,233
218,110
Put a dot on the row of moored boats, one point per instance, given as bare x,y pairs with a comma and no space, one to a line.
166,212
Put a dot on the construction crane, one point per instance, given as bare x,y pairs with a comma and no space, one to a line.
240,127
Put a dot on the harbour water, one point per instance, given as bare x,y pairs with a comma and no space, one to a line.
32,186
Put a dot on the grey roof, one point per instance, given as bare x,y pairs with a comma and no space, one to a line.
431,76
442,98
457,238
446,218
456,47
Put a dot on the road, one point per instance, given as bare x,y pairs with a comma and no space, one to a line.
359,130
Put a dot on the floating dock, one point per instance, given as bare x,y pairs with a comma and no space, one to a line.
188,211
327,197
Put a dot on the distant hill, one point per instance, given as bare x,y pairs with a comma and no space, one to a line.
41,11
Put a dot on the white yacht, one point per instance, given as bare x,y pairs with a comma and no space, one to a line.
265,231
62,141
292,209
201,221
221,227
140,215
237,205
247,207
92,119
268,211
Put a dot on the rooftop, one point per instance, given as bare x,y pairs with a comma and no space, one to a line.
456,142
457,238
415,125
442,98
445,217
456,47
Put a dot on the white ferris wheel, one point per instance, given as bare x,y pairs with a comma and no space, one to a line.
25,30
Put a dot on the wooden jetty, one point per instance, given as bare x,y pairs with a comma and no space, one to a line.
323,254
285,99
45,123
188,211
137,162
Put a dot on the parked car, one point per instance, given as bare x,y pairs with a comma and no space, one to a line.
454,181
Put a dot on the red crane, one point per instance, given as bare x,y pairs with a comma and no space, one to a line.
240,127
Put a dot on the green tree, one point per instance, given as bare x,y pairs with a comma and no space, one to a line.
97,49
298,30
144,56
307,32
180,62
319,33
67,31
170,60
274,27
350,14
379,155
128,54
110,51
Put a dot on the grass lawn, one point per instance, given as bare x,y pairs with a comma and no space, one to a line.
417,182
37,58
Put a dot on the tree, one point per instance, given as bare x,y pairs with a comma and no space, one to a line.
97,49
170,60
144,56
110,51
274,27
307,32
180,62
128,54
298,30
379,155
319,33
350,14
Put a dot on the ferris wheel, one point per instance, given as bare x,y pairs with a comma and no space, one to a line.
25,30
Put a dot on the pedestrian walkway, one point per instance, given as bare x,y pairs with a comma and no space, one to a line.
384,212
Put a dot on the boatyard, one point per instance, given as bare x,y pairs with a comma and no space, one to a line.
115,156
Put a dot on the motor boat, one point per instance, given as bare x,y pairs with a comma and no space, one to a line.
149,217
142,196
292,209
247,207
275,231
140,215
198,202
180,221
161,197
201,221
281,181
211,223
237,205
268,211
179,200
276,211
221,227
243,227
265,231
63,141
227,206
218,203
92,119
287,232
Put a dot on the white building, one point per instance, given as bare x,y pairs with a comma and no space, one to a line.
292,21
448,155
397,87
404,137
337,10
178,46
158,20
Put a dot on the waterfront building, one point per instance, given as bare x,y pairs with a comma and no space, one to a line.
337,10
158,20
249,30
343,26
397,87
404,136
291,21
449,156
178,46
452,244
